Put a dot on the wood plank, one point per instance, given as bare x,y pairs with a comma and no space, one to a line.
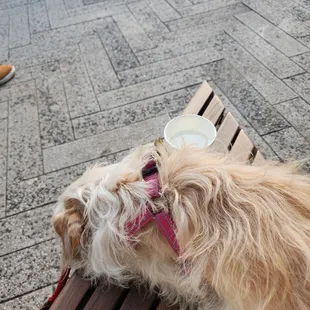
201,96
214,110
242,148
225,134
137,300
163,306
72,293
104,296
259,159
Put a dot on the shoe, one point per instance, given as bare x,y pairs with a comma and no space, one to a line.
6,73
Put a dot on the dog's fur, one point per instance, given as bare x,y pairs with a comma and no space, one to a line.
244,230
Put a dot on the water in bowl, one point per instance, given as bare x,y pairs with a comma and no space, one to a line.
189,137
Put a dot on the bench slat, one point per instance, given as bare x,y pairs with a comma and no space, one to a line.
242,147
259,159
214,110
199,99
72,293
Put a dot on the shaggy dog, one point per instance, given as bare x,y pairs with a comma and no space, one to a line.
243,231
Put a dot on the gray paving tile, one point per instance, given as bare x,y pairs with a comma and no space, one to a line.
79,91
303,60
56,9
151,88
102,75
4,36
289,145
117,48
297,112
147,18
3,165
253,107
38,18
151,71
30,301
163,10
46,188
55,123
29,269
272,88
133,33
269,56
103,144
207,17
272,34
5,5
72,4
4,106
179,3
130,113
19,27
12,91
26,229
24,148
301,85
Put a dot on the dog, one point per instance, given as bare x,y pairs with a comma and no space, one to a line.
240,233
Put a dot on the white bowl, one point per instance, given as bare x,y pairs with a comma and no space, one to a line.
190,129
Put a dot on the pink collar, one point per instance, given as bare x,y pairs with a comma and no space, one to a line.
162,219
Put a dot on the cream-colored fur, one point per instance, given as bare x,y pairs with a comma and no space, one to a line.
244,231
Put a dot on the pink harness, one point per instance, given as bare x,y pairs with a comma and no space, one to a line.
162,219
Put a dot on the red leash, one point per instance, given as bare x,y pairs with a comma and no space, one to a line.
60,285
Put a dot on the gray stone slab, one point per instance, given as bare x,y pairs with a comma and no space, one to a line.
303,60
289,145
151,71
272,34
24,148
12,91
29,269
4,107
26,229
272,88
180,3
19,27
38,18
55,123
253,107
269,56
62,156
163,10
79,91
301,85
3,164
56,9
6,5
33,300
46,188
102,75
151,88
207,17
4,36
133,32
147,18
121,55
130,113
297,112
72,4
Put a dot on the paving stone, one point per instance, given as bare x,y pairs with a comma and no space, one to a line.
120,53
148,72
4,109
33,300
147,18
19,27
29,269
253,107
151,88
56,9
272,34
103,77
133,33
269,56
289,144
3,164
26,229
301,85
75,152
130,113
272,88
303,60
179,3
14,91
72,4
5,5
38,18
55,123
79,92
4,36
45,189
163,10
24,148
207,17
297,112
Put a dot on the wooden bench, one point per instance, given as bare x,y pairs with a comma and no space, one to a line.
79,294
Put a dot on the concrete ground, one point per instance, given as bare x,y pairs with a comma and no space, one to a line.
96,78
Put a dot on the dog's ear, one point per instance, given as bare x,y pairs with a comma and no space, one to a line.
69,226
